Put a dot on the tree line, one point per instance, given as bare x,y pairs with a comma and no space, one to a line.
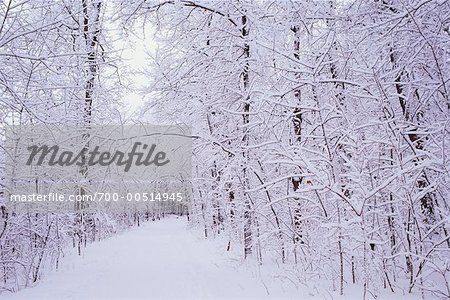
322,128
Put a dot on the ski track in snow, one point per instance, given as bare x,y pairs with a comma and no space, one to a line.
159,260
164,260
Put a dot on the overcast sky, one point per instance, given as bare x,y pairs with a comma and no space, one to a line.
135,52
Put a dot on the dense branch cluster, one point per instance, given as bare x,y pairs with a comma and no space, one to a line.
321,129
324,132
54,61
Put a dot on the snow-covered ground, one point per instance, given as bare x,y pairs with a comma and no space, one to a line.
161,260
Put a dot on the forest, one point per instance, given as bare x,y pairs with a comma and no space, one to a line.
320,129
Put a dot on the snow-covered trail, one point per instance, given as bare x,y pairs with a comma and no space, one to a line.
159,260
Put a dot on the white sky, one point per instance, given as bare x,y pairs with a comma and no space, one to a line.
135,53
